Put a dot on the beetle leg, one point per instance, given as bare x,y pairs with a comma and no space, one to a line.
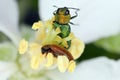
54,12
76,14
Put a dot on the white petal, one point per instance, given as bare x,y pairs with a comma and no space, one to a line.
9,19
97,69
100,68
96,18
6,70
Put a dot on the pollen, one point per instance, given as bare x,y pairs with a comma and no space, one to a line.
37,60
58,39
50,59
71,66
62,63
64,43
37,25
57,30
77,48
70,37
23,46
34,47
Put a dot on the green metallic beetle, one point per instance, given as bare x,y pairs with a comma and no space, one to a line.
62,20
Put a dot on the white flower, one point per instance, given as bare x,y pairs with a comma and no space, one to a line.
95,69
9,19
100,68
6,69
96,18
9,27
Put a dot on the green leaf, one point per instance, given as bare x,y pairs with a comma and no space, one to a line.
8,51
92,51
111,44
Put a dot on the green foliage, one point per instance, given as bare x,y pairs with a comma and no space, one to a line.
109,47
111,44
92,51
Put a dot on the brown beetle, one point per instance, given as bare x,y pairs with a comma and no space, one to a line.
56,51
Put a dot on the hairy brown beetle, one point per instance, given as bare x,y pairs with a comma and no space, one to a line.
56,51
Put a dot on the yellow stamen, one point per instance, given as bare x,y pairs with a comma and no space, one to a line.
23,46
34,47
37,60
76,48
64,43
71,66
37,25
57,30
41,34
70,37
57,39
62,62
50,59
49,22
49,38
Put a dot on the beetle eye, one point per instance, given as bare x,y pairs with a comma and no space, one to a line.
66,12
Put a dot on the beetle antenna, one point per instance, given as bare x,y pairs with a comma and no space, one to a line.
74,8
73,24
76,14
54,12
55,6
